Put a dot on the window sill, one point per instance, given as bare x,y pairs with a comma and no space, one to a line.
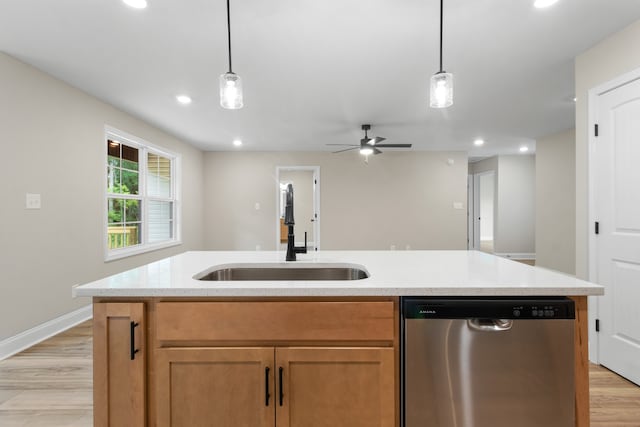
117,254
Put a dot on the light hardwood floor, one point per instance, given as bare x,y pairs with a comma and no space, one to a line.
50,385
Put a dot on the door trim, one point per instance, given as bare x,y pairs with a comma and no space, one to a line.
471,212
592,242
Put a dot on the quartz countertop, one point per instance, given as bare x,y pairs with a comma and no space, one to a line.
391,273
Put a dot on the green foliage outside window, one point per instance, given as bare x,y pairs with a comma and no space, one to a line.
124,181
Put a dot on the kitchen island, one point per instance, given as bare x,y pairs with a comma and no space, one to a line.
173,350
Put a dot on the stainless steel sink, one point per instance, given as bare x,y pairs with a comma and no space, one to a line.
284,273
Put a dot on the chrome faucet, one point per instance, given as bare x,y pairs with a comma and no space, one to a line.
292,249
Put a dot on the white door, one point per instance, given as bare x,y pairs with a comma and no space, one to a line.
617,201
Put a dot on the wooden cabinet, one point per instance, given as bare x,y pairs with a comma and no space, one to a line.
284,231
119,365
257,363
215,386
281,386
336,387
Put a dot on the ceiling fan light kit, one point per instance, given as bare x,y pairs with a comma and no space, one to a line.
367,144
441,88
366,151
230,82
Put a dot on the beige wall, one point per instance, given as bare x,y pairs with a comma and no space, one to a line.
608,59
53,144
490,164
399,198
514,204
555,202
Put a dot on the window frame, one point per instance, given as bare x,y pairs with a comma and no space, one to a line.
144,148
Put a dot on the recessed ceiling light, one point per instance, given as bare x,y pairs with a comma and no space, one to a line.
575,99
524,149
237,142
478,142
136,4
540,4
183,99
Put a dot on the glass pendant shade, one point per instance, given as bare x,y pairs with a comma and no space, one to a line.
441,90
231,91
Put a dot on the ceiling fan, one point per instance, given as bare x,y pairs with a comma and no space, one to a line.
368,145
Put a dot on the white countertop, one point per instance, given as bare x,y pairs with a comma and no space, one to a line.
391,273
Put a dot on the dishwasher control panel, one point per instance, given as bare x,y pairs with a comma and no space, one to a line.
508,308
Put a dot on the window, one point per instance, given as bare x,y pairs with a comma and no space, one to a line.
141,196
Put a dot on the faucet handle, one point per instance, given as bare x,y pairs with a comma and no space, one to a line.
302,249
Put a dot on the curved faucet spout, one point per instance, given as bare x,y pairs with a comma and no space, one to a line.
288,208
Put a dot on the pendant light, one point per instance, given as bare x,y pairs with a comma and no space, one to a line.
441,82
230,82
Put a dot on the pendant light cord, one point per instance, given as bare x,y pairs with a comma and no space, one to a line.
229,37
441,14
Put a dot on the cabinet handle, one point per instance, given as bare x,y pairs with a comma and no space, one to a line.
132,335
266,386
281,392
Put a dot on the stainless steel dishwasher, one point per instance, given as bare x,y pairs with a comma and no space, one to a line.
488,362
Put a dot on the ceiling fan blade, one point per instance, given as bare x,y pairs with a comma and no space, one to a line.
376,140
376,151
394,145
345,145
346,149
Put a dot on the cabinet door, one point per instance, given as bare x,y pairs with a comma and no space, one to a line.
119,365
335,387
222,387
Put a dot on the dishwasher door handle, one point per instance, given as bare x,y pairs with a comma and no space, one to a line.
490,325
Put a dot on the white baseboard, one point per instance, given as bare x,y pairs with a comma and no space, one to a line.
30,337
531,256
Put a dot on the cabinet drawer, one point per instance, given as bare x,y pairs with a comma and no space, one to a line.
275,321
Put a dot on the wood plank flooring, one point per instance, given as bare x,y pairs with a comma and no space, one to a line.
50,385
614,400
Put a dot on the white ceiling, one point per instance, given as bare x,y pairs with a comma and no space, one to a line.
314,71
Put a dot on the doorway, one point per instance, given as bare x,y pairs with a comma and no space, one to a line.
481,207
306,189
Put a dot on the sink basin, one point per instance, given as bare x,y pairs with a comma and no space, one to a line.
283,272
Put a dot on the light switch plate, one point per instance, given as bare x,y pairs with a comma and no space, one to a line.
32,201
458,205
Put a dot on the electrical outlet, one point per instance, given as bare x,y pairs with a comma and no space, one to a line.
32,201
